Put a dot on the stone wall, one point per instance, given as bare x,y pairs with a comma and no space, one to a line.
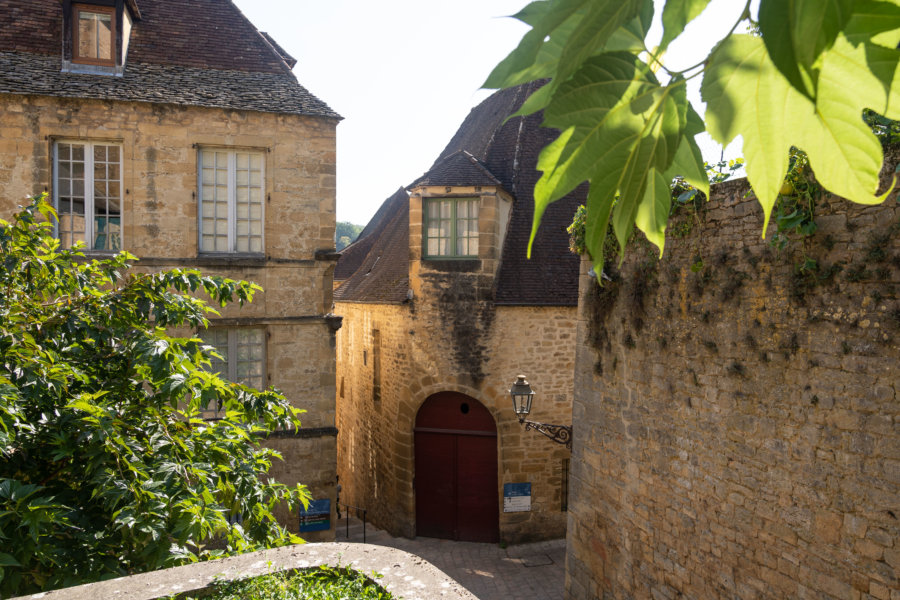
160,225
402,574
428,346
737,420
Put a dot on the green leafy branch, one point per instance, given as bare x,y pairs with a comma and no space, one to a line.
107,468
804,83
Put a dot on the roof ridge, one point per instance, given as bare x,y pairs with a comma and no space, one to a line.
480,165
262,37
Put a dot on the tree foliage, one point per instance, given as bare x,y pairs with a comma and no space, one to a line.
804,83
345,233
107,468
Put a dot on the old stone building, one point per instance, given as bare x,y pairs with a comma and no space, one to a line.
737,418
442,310
175,130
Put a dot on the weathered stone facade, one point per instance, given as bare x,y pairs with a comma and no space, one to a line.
159,214
375,445
737,419
442,311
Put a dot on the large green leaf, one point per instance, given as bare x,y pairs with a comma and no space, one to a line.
843,152
617,124
874,21
599,211
653,211
746,95
603,18
688,164
796,32
675,17
630,37
547,58
545,18
590,30
609,103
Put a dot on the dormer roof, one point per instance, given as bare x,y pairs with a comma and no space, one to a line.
457,169
487,149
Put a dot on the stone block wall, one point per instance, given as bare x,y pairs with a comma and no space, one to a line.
737,419
160,225
473,348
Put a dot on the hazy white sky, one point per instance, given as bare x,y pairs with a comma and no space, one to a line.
405,73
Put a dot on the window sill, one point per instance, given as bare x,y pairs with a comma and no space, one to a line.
231,260
69,66
453,265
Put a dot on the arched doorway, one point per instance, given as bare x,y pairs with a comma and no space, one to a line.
456,470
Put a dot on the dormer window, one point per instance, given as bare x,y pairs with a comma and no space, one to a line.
451,227
95,35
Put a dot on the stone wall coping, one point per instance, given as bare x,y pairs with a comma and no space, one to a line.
405,575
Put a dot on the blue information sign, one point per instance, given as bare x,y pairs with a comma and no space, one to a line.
516,497
317,517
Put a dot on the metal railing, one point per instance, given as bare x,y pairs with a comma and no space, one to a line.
359,511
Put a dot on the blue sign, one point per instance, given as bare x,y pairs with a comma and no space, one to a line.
516,497
317,517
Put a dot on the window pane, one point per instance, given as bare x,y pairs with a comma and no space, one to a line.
107,218
218,339
95,35
239,209
70,196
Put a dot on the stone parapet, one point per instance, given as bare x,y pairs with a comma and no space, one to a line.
404,575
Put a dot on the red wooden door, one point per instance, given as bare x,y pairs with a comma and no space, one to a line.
456,470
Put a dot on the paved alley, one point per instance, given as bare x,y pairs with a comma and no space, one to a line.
523,572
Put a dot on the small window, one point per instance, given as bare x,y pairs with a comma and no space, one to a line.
231,201
451,227
95,35
243,359
87,194
376,365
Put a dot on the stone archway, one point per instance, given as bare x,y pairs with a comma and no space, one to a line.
456,469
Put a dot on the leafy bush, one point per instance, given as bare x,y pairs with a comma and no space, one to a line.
107,468
323,583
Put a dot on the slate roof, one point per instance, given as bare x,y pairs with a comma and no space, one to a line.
459,168
353,256
485,148
376,265
192,52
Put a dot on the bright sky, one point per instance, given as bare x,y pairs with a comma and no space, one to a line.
405,73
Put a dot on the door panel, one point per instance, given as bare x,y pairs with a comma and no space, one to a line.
477,504
436,485
456,470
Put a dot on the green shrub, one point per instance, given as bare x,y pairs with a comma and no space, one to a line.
107,468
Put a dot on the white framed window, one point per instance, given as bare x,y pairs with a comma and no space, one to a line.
243,351
231,200
87,194
451,227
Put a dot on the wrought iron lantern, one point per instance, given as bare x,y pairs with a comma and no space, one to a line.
522,396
